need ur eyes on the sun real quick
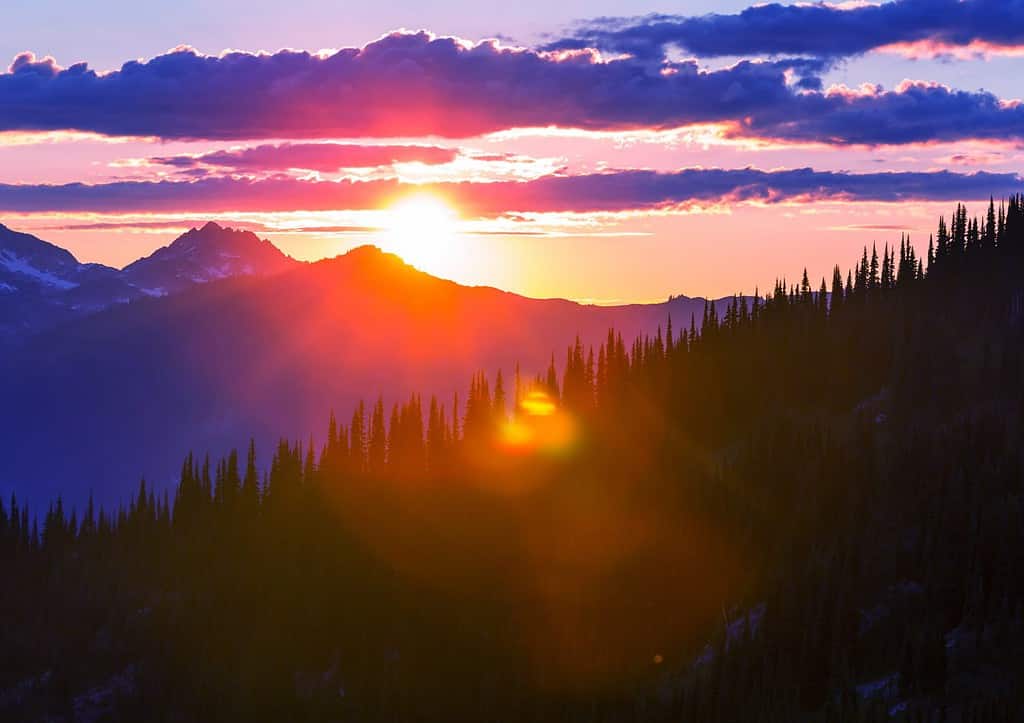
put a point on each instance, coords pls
(423, 230)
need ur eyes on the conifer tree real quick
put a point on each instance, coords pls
(377, 445)
(837, 289)
(861, 278)
(942, 242)
(435, 436)
(873, 281)
(358, 438)
(552, 379)
(989, 236)
(250, 492)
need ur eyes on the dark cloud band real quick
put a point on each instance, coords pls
(326, 157)
(821, 30)
(607, 192)
(403, 85)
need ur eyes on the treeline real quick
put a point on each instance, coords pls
(806, 506)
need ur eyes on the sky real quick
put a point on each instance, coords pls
(604, 151)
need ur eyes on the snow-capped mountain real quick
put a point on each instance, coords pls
(42, 285)
(27, 262)
(206, 254)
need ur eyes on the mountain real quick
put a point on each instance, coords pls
(29, 261)
(206, 254)
(43, 285)
(127, 391)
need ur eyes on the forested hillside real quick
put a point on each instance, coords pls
(804, 508)
(118, 394)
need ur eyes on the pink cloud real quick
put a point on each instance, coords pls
(327, 157)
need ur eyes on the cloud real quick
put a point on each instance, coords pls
(415, 85)
(326, 157)
(176, 225)
(914, 112)
(136, 224)
(619, 191)
(875, 227)
(130, 224)
(980, 158)
(817, 29)
(402, 85)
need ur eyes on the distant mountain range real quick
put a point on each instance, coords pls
(219, 336)
(42, 285)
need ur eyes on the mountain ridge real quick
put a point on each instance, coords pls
(206, 369)
(205, 254)
(43, 285)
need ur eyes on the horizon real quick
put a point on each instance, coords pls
(761, 290)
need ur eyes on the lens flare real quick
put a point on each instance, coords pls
(540, 426)
(516, 435)
(538, 404)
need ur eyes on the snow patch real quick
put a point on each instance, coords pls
(224, 271)
(19, 265)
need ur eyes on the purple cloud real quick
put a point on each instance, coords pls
(179, 225)
(403, 85)
(415, 85)
(616, 191)
(821, 30)
(327, 157)
(912, 113)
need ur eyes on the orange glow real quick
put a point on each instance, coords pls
(541, 427)
(517, 436)
(538, 404)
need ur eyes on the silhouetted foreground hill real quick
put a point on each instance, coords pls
(116, 395)
(809, 510)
